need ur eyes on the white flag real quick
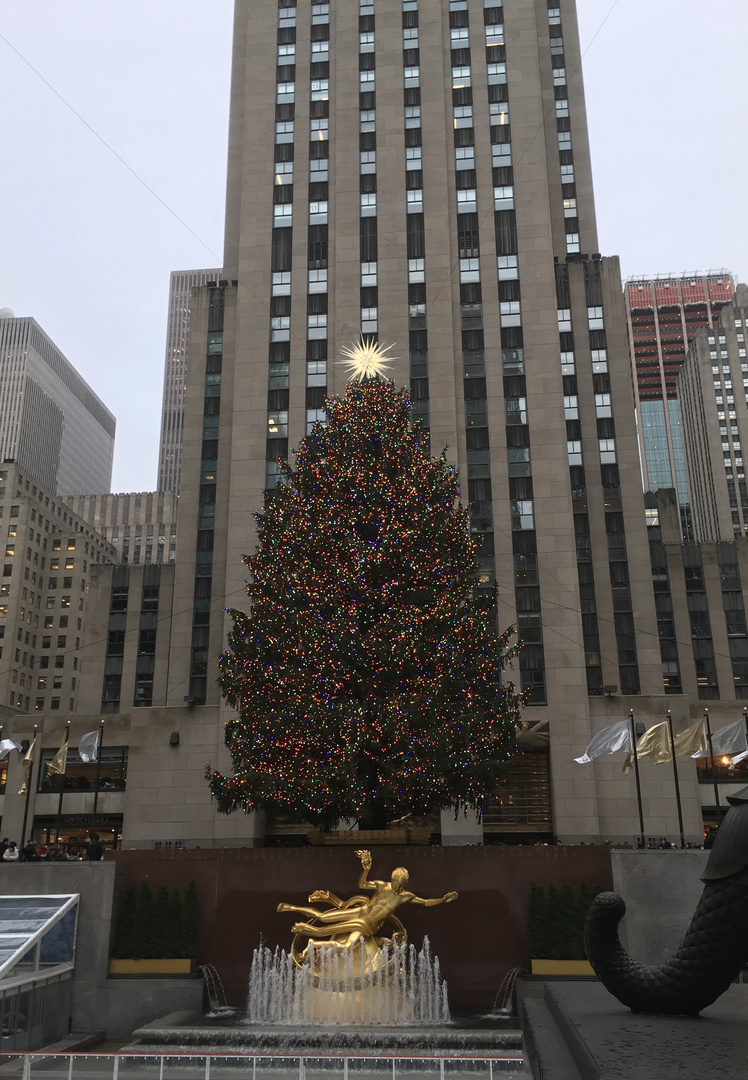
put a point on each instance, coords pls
(88, 747)
(736, 760)
(608, 741)
(728, 740)
(6, 745)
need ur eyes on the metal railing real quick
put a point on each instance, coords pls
(290, 1066)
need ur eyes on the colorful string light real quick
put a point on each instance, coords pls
(367, 675)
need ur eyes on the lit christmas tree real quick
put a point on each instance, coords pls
(367, 675)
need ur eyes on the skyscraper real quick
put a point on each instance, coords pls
(663, 314)
(51, 422)
(420, 173)
(713, 390)
(175, 373)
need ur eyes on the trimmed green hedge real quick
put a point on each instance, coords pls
(555, 921)
(165, 928)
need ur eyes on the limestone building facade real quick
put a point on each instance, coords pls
(181, 284)
(49, 556)
(386, 177)
(140, 525)
(713, 391)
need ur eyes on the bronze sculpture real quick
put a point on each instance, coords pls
(714, 949)
(359, 920)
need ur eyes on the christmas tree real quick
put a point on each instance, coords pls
(367, 675)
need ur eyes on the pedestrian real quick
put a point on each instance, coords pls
(11, 852)
(711, 836)
(94, 849)
(29, 852)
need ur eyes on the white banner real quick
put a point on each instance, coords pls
(6, 745)
(88, 747)
(608, 741)
(728, 740)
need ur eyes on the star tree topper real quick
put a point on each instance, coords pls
(367, 360)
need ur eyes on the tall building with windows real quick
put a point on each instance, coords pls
(421, 173)
(49, 555)
(663, 314)
(181, 283)
(713, 391)
(51, 422)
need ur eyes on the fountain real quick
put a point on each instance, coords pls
(400, 986)
(350, 985)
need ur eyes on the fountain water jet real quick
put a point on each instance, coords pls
(393, 986)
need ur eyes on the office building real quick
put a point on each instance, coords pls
(386, 177)
(713, 392)
(49, 554)
(52, 424)
(700, 591)
(175, 373)
(141, 526)
(663, 314)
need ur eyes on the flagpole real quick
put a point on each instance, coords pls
(675, 777)
(98, 774)
(711, 758)
(28, 793)
(62, 791)
(638, 782)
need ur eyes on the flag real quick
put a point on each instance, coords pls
(28, 761)
(736, 760)
(6, 745)
(654, 743)
(727, 740)
(58, 764)
(88, 747)
(693, 738)
(608, 741)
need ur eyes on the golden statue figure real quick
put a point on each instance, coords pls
(359, 919)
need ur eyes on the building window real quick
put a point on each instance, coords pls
(369, 204)
(607, 451)
(416, 271)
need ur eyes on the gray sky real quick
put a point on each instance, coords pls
(87, 250)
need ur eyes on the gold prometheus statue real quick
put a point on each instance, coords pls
(358, 920)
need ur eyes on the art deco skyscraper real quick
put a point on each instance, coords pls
(420, 171)
(175, 373)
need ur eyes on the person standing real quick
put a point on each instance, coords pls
(94, 849)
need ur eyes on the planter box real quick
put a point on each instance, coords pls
(151, 967)
(562, 967)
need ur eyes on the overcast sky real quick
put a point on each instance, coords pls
(86, 249)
